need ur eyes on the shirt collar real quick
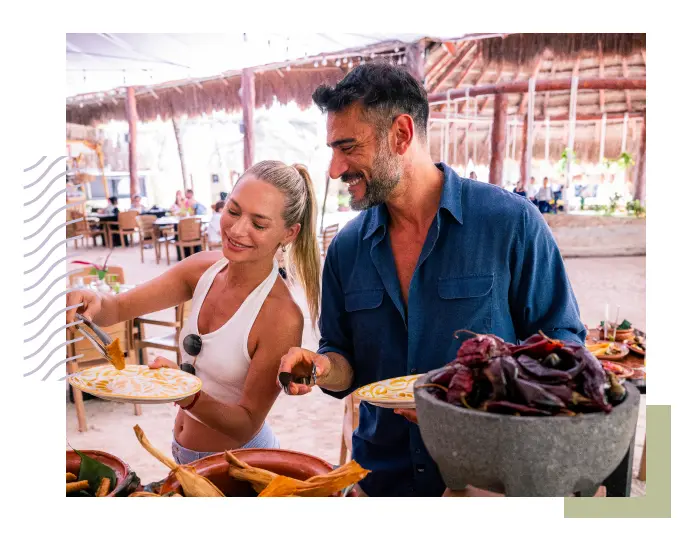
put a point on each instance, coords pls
(450, 200)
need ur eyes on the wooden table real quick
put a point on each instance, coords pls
(173, 221)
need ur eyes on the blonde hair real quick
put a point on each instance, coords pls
(299, 207)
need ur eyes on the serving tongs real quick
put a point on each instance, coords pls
(286, 378)
(96, 336)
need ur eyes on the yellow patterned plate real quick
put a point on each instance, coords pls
(395, 393)
(136, 384)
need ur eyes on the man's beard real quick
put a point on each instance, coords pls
(386, 174)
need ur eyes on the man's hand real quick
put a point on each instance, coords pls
(299, 362)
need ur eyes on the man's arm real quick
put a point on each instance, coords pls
(541, 296)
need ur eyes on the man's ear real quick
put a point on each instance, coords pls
(404, 133)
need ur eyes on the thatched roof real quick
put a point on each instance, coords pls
(519, 57)
(467, 62)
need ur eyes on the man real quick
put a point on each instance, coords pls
(112, 209)
(136, 204)
(430, 254)
(472, 175)
(544, 197)
(198, 208)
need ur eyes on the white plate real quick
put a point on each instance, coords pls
(394, 393)
(136, 384)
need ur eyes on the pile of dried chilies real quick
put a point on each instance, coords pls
(540, 377)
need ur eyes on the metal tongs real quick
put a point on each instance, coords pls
(287, 378)
(100, 339)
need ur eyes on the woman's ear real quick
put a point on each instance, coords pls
(291, 234)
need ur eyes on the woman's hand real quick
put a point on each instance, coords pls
(162, 363)
(92, 304)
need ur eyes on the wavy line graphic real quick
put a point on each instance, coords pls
(51, 285)
(62, 362)
(47, 273)
(42, 159)
(51, 336)
(51, 319)
(46, 172)
(73, 255)
(48, 355)
(66, 224)
(65, 207)
(62, 174)
(35, 216)
(49, 305)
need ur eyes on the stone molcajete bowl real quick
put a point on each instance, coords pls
(524, 455)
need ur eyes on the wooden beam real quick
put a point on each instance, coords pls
(601, 74)
(523, 157)
(180, 151)
(577, 66)
(558, 85)
(523, 97)
(439, 64)
(452, 66)
(626, 74)
(579, 117)
(644, 57)
(415, 60)
(132, 118)
(498, 139)
(545, 104)
(468, 68)
(248, 101)
(640, 184)
(486, 100)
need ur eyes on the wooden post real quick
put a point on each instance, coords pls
(248, 100)
(640, 184)
(498, 144)
(415, 60)
(180, 150)
(132, 118)
(523, 157)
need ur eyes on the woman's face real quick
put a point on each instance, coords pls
(252, 227)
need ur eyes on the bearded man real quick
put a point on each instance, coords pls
(430, 253)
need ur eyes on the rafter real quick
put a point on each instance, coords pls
(498, 77)
(444, 60)
(626, 74)
(577, 66)
(545, 104)
(601, 74)
(535, 74)
(451, 67)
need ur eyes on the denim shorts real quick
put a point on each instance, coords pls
(264, 439)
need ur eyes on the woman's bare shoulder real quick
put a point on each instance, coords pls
(281, 309)
(194, 266)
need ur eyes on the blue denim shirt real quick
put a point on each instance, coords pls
(489, 264)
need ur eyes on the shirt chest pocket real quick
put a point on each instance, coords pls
(468, 301)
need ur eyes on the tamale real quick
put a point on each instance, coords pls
(70, 477)
(193, 484)
(103, 489)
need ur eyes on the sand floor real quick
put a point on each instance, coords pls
(312, 424)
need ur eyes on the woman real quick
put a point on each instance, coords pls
(242, 312)
(214, 228)
(179, 204)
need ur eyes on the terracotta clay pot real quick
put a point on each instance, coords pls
(620, 335)
(126, 479)
(280, 461)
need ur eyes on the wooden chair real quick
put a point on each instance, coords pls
(91, 358)
(351, 419)
(326, 237)
(84, 229)
(125, 225)
(147, 234)
(189, 235)
(168, 342)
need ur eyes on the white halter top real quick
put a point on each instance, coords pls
(223, 362)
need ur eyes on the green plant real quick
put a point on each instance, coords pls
(567, 156)
(625, 160)
(635, 207)
(612, 207)
(100, 271)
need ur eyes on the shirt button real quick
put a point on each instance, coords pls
(413, 371)
(417, 451)
(420, 469)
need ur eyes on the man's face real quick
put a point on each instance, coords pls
(362, 158)
(189, 195)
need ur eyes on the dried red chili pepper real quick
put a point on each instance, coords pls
(461, 384)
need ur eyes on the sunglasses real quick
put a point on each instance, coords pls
(192, 345)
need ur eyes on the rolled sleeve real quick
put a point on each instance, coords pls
(542, 297)
(336, 334)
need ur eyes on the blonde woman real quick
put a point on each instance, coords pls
(243, 318)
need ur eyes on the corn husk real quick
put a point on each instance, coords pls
(269, 484)
(193, 484)
(116, 355)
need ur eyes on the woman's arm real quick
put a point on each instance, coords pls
(173, 287)
(283, 327)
